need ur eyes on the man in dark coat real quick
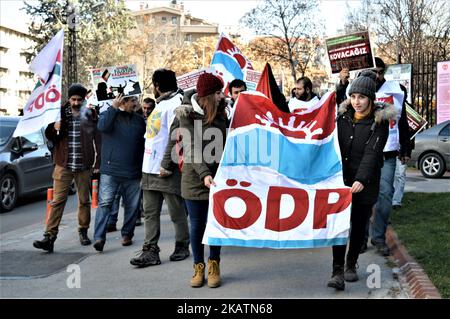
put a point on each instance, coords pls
(76, 149)
(122, 148)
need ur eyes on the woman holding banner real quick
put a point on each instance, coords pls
(201, 111)
(363, 128)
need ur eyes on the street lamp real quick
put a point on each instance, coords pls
(72, 22)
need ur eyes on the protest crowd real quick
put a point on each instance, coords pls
(176, 149)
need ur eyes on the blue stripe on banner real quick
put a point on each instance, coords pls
(230, 64)
(305, 163)
(283, 244)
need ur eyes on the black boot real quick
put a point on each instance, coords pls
(181, 252)
(350, 274)
(84, 239)
(337, 278)
(149, 257)
(46, 243)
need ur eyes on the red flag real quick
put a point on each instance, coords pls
(267, 85)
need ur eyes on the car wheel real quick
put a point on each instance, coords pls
(8, 192)
(73, 189)
(432, 166)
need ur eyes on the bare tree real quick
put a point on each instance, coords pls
(293, 25)
(359, 19)
(150, 47)
(405, 27)
(99, 33)
(414, 25)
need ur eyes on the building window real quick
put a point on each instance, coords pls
(188, 38)
(3, 71)
(26, 55)
(24, 94)
(164, 20)
(174, 20)
(3, 49)
(26, 74)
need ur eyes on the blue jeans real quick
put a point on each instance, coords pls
(109, 185)
(399, 183)
(114, 215)
(383, 206)
(198, 214)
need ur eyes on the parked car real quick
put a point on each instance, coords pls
(431, 153)
(26, 163)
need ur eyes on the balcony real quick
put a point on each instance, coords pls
(205, 29)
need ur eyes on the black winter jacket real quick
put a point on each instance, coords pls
(361, 145)
(403, 127)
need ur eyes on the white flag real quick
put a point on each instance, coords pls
(44, 105)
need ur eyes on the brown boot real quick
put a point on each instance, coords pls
(213, 273)
(199, 275)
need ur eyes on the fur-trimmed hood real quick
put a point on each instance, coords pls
(382, 112)
(187, 107)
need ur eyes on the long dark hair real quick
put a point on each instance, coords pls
(208, 104)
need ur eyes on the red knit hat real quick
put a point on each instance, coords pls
(208, 84)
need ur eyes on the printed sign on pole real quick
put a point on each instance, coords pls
(188, 81)
(109, 82)
(402, 74)
(352, 51)
(415, 121)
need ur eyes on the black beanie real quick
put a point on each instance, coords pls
(77, 89)
(365, 84)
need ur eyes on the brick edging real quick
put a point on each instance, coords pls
(419, 284)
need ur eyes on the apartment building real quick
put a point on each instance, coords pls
(176, 23)
(16, 79)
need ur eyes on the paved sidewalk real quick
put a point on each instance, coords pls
(246, 272)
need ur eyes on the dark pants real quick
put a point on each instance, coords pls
(359, 215)
(153, 201)
(198, 214)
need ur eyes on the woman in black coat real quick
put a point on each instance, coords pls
(363, 128)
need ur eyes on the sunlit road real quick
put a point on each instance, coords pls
(30, 210)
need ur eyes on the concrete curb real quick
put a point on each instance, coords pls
(417, 281)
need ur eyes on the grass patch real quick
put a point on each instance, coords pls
(423, 226)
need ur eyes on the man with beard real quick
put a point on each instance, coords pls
(155, 188)
(73, 137)
(304, 96)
